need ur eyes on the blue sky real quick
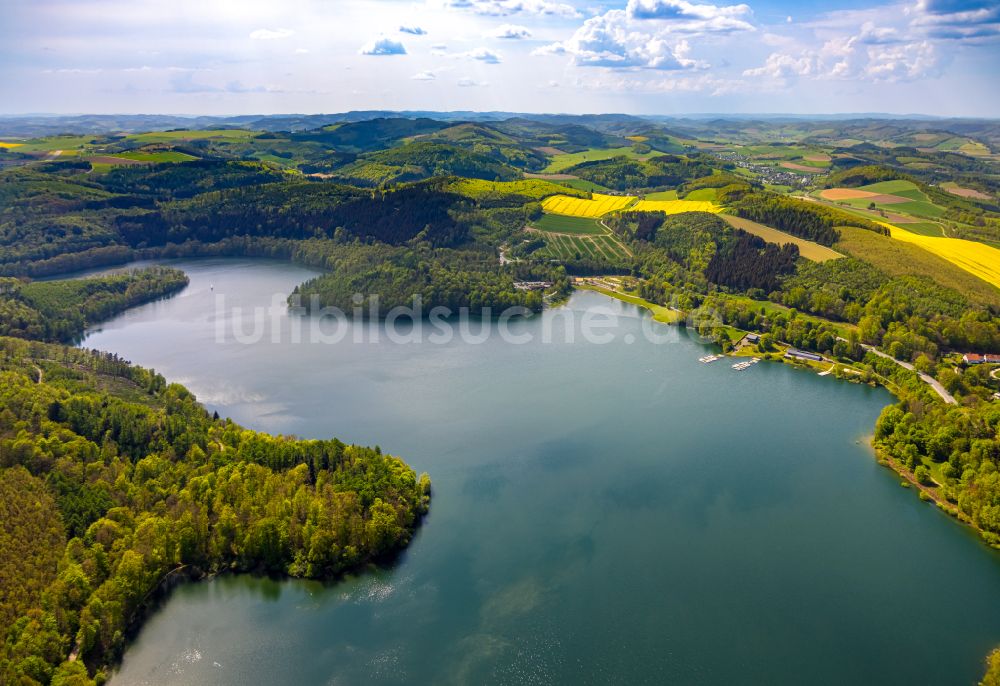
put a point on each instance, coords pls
(641, 56)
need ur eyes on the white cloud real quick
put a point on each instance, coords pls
(383, 46)
(876, 54)
(470, 83)
(301, 51)
(482, 55)
(439, 49)
(413, 30)
(271, 34)
(686, 17)
(512, 32)
(503, 8)
(424, 76)
(616, 40)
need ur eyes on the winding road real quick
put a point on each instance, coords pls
(928, 379)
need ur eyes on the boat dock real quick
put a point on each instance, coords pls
(709, 358)
(740, 366)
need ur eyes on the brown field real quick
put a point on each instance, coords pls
(801, 168)
(856, 194)
(820, 157)
(549, 150)
(964, 192)
(808, 249)
(845, 194)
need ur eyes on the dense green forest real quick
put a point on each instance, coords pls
(708, 249)
(60, 311)
(114, 479)
(625, 173)
(421, 160)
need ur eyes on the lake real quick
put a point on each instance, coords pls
(613, 513)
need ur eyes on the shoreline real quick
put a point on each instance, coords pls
(928, 494)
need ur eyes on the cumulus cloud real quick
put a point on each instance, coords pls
(271, 34)
(512, 32)
(381, 47)
(470, 83)
(617, 39)
(482, 55)
(503, 8)
(413, 30)
(424, 76)
(873, 54)
(691, 18)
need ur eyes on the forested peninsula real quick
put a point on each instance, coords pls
(115, 480)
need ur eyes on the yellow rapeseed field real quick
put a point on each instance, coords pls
(4, 144)
(580, 207)
(676, 206)
(978, 259)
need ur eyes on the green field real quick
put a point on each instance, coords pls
(582, 185)
(50, 143)
(560, 223)
(923, 228)
(662, 195)
(188, 135)
(902, 188)
(560, 162)
(160, 156)
(710, 194)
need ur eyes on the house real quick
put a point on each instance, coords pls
(752, 338)
(792, 353)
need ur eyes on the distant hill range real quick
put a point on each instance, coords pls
(36, 125)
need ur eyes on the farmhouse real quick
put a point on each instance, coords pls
(752, 338)
(975, 358)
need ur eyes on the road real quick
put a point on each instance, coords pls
(928, 379)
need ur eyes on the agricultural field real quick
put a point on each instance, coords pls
(706, 194)
(582, 185)
(598, 206)
(807, 249)
(191, 135)
(676, 206)
(602, 247)
(536, 189)
(661, 195)
(567, 160)
(955, 189)
(978, 259)
(898, 197)
(158, 156)
(561, 223)
(50, 143)
(7, 145)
